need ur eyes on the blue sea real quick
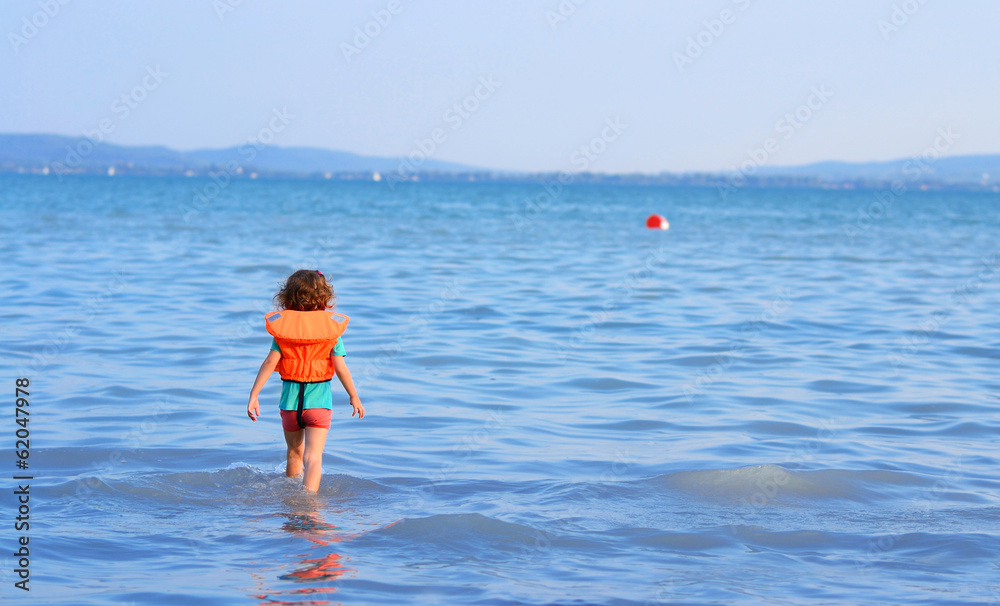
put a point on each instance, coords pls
(789, 397)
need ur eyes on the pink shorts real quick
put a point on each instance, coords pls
(312, 417)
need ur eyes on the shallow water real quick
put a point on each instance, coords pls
(789, 397)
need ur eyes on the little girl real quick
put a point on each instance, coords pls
(307, 352)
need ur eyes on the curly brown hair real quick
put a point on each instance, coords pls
(305, 290)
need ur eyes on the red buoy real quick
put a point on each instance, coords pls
(657, 222)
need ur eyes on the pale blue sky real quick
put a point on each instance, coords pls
(558, 84)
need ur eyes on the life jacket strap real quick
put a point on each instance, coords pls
(302, 400)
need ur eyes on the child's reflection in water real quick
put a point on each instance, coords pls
(304, 520)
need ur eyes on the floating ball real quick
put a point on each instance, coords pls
(657, 222)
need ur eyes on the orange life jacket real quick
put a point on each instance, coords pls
(306, 339)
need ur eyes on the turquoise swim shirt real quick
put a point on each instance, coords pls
(318, 395)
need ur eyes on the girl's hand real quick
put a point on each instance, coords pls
(358, 408)
(253, 409)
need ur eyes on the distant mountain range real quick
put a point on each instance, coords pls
(49, 154)
(953, 169)
(79, 154)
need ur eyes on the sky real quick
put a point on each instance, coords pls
(640, 86)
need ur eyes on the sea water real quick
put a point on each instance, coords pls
(788, 397)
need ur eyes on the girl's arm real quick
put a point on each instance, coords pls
(345, 379)
(266, 368)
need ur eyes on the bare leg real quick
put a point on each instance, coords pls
(314, 443)
(296, 446)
